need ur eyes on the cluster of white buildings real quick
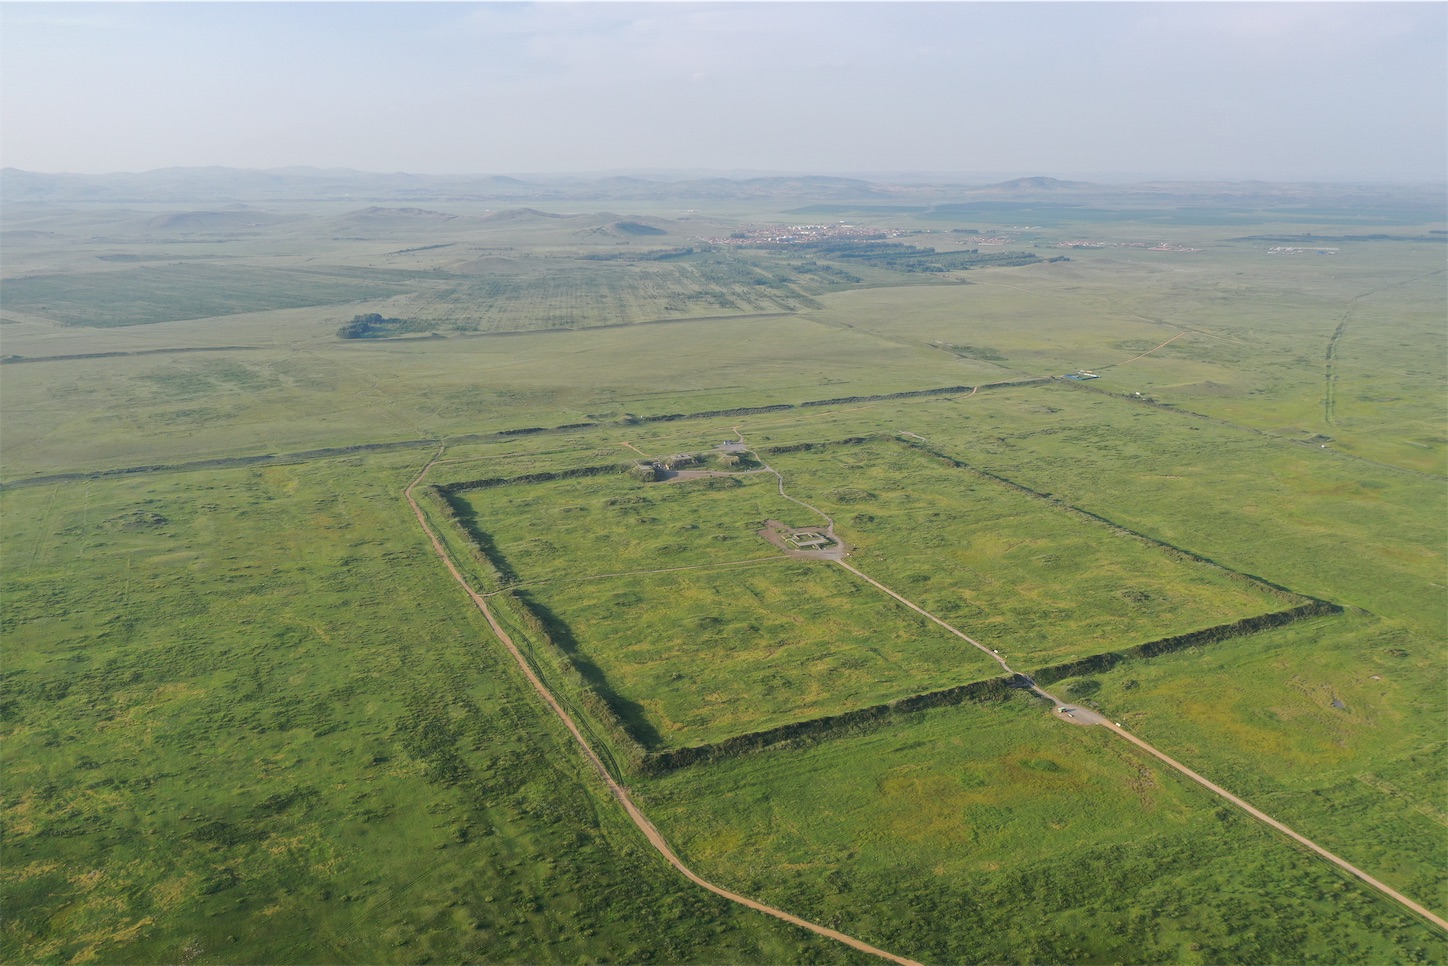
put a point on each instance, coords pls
(797, 234)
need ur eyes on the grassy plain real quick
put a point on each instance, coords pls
(705, 655)
(1345, 748)
(1317, 521)
(1040, 584)
(247, 717)
(133, 410)
(749, 641)
(1347, 530)
(994, 834)
(579, 529)
(1258, 331)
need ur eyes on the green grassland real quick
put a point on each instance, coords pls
(1321, 523)
(248, 717)
(134, 410)
(992, 834)
(704, 655)
(1039, 584)
(247, 720)
(692, 656)
(1346, 530)
(1258, 331)
(570, 530)
(696, 655)
(1346, 748)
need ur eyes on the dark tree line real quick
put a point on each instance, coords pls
(364, 326)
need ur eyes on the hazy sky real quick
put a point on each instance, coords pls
(1296, 91)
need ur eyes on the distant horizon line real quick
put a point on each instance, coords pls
(922, 177)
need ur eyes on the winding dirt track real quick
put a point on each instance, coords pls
(620, 793)
(1079, 717)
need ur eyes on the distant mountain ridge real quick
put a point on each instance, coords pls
(220, 185)
(1038, 184)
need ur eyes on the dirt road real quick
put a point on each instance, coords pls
(1111, 365)
(766, 468)
(619, 793)
(1072, 714)
(993, 654)
(1269, 820)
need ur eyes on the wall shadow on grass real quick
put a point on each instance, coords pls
(629, 715)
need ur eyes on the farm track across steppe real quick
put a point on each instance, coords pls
(1085, 717)
(15, 360)
(1080, 717)
(620, 794)
(1329, 389)
(1112, 365)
